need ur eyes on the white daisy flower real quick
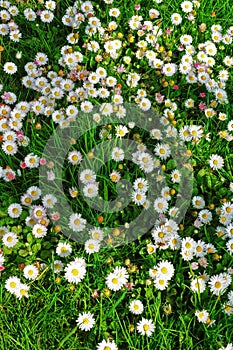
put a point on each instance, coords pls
(39, 231)
(176, 176)
(176, 18)
(75, 271)
(121, 131)
(162, 150)
(63, 249)
(136, 307)
(216, 162)
(217, 284)
(90, 190)
(92, 246)
(49, 201)
(34, 192)
(32, 160)
(46, 16)
(22, 291)
(10, 239)
(76, 223)
(87, 176)
(85, 321)
(140, 184)
(116, 279)
(30, 272)
(9, 148)
(145, 327)
(14, 210)
(10, 68)
(169, 69)
(198, 285)
(12, 284)
(205, 216)
(198, 202)
(186, 6)
(138, 197)
(57, 266)
(202, 316)
(165, 270)
(107, 344)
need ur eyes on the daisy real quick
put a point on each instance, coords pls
(39, 231)
(162, 150)
(46, 16)
(49, 201)
(10, 68)
(111, 81)
(186, 39)
(114, 12)
(138, 197)
(140, 184)
(136, 307)
(22, 291)
(198, 285)
(85, 321)
(87, 176)
(9, 147)
(176, 18)
(198, 202)
(176, 176)
(57, 266)
(29, 14)
(15, 35)
(121, 131)
(216, 162)
(188, 244)
(169, 69)
(63, 249)
(202, 316)
(32, 161)
(92, 246)
(161, 283)
(76, 223)
(86, 107)
(145, 327)
(34, 192)
(165, 270)
(217, 284)
(38, 212)
(90, 190)
(107, 345)
(115, 176)
(117, 154)
(14, 210)
(116, 279)
(186, 6)
(160, 205)
(145, 104)
(200, 249)
(30, 272)
(75, 271)
(12, 284)
(10, 239)
(101, 72)
(50, 5)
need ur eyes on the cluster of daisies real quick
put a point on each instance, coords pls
(9, 12)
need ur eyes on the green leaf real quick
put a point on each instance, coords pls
(23, 252)
(36, 247)
(30, 238)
